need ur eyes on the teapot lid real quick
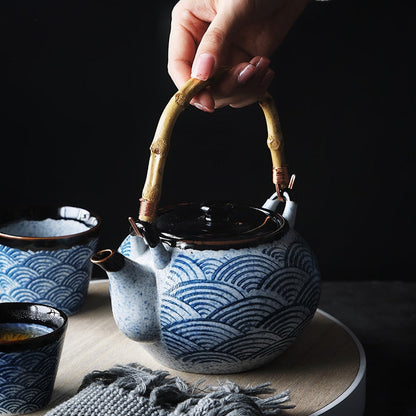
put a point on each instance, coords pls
(218, 225)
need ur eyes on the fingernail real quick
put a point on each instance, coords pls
(203, 67)
(263, 61)
(246, 74)
(202, 107)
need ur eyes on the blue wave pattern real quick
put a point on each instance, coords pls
(125, 247)
(237, 313)
(58, 278)
(27, 378)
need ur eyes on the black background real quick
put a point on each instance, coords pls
(86, 82)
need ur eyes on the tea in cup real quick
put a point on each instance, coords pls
(31, 340)
(44, 255)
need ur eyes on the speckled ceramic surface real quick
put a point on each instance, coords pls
(224, 312)
(46, 260)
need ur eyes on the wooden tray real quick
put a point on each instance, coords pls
(324, 369)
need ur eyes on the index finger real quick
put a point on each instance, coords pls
(185, 36)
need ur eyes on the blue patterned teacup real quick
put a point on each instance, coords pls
(44, 255)
(31, 339)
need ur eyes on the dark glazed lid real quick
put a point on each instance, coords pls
(218, 225)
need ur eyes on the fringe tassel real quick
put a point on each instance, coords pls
(184, 400)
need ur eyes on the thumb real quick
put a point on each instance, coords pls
(210, 48)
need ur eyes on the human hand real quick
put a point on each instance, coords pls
(237, 34)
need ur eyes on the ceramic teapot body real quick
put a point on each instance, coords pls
(214, 310)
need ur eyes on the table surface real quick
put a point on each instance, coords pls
(324, 369)
(381, 314)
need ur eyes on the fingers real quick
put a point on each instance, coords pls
(243, 85)
(204, 101)
(187, 30)
(186, 33)
(204, 66)
(210, 50)
(197, 45)
(255, 69)
(248, 86)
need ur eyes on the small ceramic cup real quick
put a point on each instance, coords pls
(45, 255)
(31, 340)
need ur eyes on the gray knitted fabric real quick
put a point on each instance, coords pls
(135, 390)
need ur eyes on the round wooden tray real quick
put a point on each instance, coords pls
(324, 369)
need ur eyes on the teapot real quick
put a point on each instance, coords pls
(213, 287)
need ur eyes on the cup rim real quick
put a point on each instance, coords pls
(42, 212)
(24, 313)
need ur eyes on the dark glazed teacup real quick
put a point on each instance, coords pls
(31, 340)
(44, 255)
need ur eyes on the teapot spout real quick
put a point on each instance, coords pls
(133, 294)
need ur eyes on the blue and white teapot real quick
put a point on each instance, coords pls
(213, 287)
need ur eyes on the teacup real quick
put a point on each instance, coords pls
(44, 255)
(31, 340)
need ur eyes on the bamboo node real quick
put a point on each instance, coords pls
(181, 99)
(159, 146)
(155, 150)
(273, 143)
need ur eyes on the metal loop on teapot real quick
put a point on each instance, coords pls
(160, 145)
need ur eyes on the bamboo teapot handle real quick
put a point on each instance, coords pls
(160, 145)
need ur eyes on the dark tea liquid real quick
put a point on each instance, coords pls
(10, 332)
